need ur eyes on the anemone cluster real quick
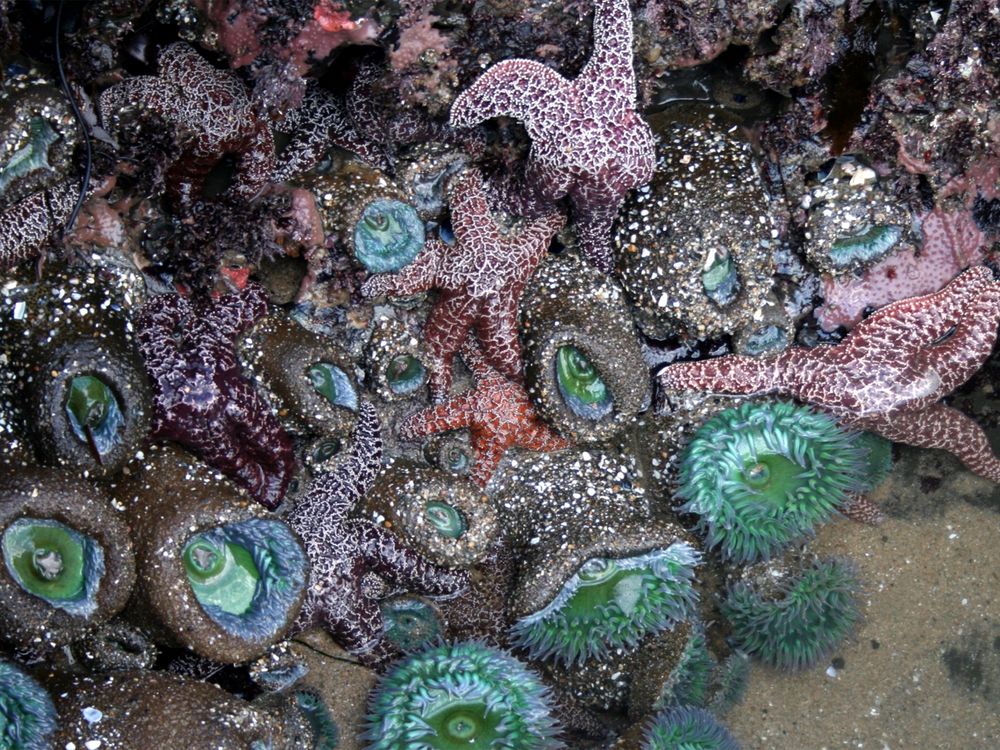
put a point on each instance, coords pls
(464, 338)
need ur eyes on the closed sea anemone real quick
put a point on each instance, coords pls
(793, 612)
(612, 603)
(761, 476)
(27, 715)
(687, 728)
(464, 695)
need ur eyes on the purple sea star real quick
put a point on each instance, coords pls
(26, 226)
(588, 142)
(211, 114)
(480, 278)
(342, 551)
(888, 374)
(497, 412)
(201, 399)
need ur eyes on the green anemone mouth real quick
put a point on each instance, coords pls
(388, 236)
(409, 623)
(326, 449)
(246, 575)
(456, 459)
(464, 696)
(761, 476)
(612, 603)
(405, 374)
(333, 384)
(27, 715)
(866, 245)
(720, 280)
(580, 385)
(447, 519)
(94, 414)
(34, 155)
(55, 563)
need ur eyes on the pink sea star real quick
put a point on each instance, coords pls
(497, 412)
(480, 279)
(201, 399)
(888, 374)
(212, 115)
(588, 142)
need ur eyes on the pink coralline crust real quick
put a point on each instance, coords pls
(314, 42)
(330, 26)
(415, 40)
(951, 242)
(236, 28)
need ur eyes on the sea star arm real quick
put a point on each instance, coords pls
(233, 314)
(609, 68)
(142, 92)
(940, 426)
(156, 324)
(734, 373)
(470, 212)
(26, 226)
(418, 276)
(386, 556)
(333, 494)
(522, 89)
(454, 414)
(446, 328)
(256, 161)
(593, 228)
(859, 508)
(489, 451)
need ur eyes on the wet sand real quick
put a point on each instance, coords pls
(923, 668)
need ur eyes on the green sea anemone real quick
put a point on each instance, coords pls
(333, 384)
(94, 413)
(464, 696)
(687, 728)
(729, 683)
(688, 683)
(27, 715)
(580, 385)
(761, 476)
(410, 622)
(245, 575)
(868, 244)
(793, 614)
(878, 458)
(388, 235)
(324, 730)
(612, 603)
(405, 374)
(55, 563)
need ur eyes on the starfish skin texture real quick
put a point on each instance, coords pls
(27, 225)
(887, 375)
(588, 142)
(343, 552)
(497, 412)
(201, 399)
(212, 115)
(480, 280)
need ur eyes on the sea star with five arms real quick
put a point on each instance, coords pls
(588, 142)
(888, 373)
(201, 399)
(342, 551)
(212, 115)
(497, 412)
(480, 279)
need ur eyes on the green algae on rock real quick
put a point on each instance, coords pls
(218, 573)
(694, 247)
(67, 559)
(583, 366)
